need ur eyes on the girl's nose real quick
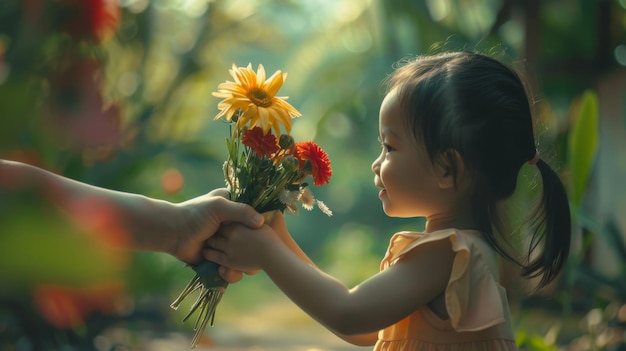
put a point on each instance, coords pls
(376, 165)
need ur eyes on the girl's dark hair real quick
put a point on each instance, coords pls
(476, 106)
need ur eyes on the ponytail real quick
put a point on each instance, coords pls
(552, 225)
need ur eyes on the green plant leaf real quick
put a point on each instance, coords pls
(582, 146)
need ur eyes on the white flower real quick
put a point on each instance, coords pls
(322, 206)
(290, 199)
(307, 199)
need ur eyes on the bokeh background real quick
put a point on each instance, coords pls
(117, 93)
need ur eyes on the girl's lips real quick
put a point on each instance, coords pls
(381, 192)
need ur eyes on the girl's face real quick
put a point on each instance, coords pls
(403, 171)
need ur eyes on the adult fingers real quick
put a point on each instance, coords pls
(221, 192)
(229, 211)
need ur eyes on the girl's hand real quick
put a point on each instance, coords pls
(280, 228)
(277, 223)
(239, 247)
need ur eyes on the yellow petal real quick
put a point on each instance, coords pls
(234, 72)
(263, 121)
(260, 76)
(287, 107)
(275, 122)
(284, 118)
(240, 76)
(229, 113)
(249, 77)
(274, 83)
(219, 115)
(221, 94)
(249, 114)
(228, 85)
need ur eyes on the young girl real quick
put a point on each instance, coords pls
(455, 130)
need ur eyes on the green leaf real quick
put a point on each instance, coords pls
(582, 146)
(38, 246)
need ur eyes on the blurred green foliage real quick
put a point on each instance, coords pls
(157, 70)
(582, 146)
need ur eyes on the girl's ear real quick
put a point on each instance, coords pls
(450, 169)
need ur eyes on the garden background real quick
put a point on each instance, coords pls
(118, 94)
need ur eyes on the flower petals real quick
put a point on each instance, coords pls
(318, 160)
(255, 97)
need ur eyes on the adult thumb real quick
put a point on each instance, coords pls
(230, 211)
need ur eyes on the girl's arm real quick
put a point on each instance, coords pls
(280, 228)
(149, 224)
(384, 299)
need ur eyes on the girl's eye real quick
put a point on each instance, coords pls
(385, 146)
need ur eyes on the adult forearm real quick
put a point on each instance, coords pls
(143, 223)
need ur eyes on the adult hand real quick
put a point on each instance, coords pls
(202, 217)
(242, 248)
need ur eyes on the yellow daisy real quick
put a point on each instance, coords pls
(253, 99)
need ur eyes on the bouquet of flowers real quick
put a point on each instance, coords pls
(266, 168)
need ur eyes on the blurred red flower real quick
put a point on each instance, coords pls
(78, 116)
(315, 161)
(262, 144)
(90, 19)
(69, 307)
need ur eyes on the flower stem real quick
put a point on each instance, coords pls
(212, 287)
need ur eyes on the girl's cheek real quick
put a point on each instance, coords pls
(383, 174)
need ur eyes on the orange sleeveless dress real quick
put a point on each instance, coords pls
(476, 303)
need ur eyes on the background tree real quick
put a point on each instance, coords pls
(117, 94)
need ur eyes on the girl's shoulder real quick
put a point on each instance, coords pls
(460, 239)
(474, 297)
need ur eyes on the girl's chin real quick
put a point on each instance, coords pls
(387, 209)
(390, 211)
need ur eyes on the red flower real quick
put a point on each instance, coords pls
(311, 155)
(263, 144)
(90, 19)
(69, 307)
(79, 116)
